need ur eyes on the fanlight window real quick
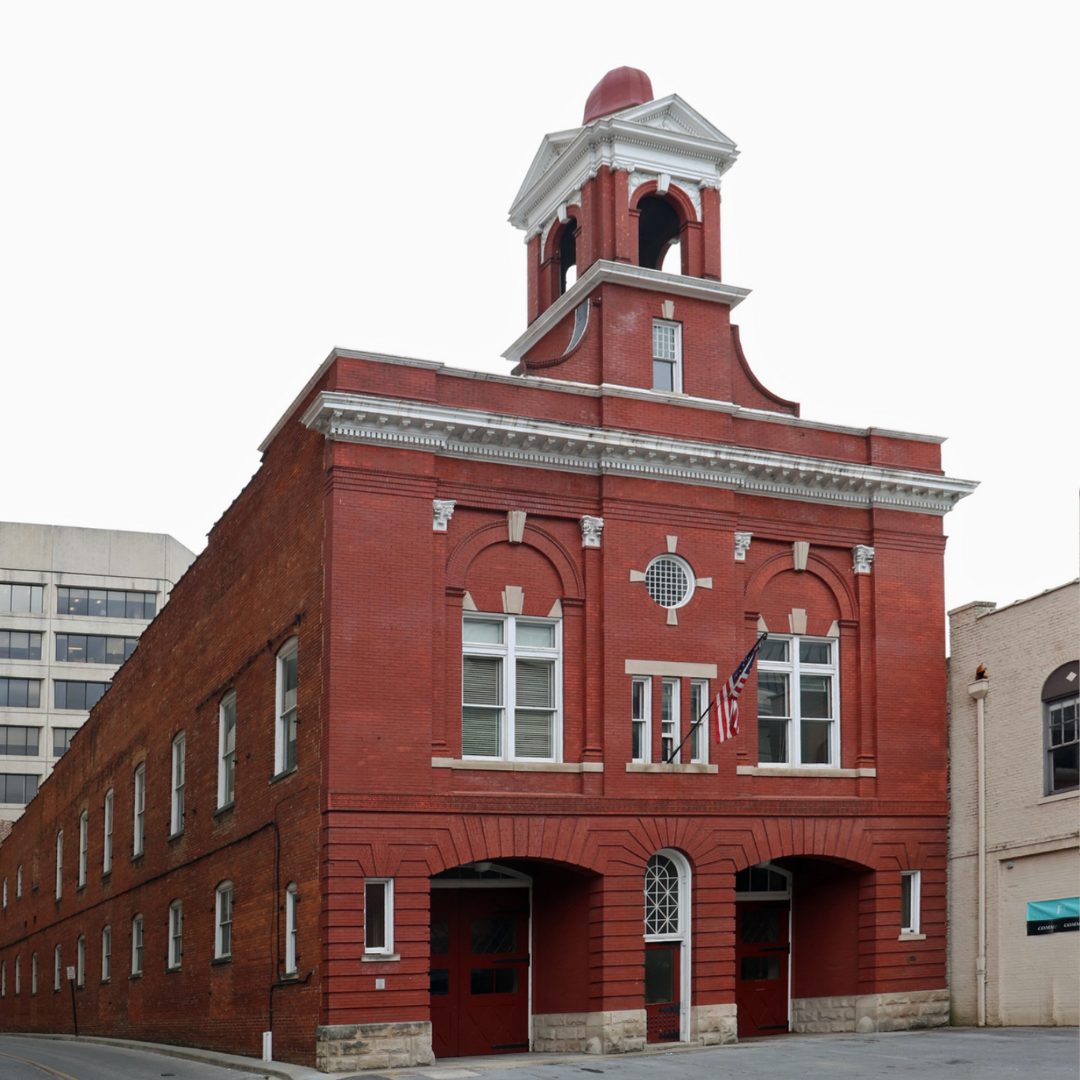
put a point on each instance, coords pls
(661, 897)
(762, 879)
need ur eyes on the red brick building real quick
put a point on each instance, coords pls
(405, 764)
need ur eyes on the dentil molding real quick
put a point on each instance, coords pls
(477, 435)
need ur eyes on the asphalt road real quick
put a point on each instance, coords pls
(944, 1054)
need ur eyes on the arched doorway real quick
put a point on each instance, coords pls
(480, 950)
(667, 947)
(763, 950)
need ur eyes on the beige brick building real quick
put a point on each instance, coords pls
(1029, 836)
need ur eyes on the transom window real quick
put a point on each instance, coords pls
(798, 701)
(670, 581)
(667, 356)
(511, 685)
(661, 898)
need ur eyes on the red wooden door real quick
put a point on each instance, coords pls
(762, 951)
(479, 971)
(662, 1015)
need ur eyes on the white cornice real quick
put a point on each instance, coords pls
(665, 136)
(636, 277)
(477, 435)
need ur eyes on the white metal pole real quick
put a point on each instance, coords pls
(978, 690)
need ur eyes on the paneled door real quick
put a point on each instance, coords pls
(662, 982)
(762, 951)
(479, 971)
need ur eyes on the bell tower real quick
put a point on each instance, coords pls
(623, 213)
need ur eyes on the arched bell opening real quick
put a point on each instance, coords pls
(568, 271)
(659, 229)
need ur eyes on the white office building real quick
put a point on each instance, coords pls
(73, 603)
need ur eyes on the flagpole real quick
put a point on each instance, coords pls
(708, 708)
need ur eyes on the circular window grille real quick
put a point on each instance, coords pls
(669, 581)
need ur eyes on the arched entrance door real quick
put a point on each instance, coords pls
(762, 949)
(667, 947)
(480, 946)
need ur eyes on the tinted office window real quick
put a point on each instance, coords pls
(93, 648)
(19, 645)
(102, 603)
(19, 740)
(61, 740)
(17, 789)
(78, 695)
(20, 693)
(21, 598)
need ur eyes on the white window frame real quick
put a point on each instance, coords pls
(509, 652)
(59, 864)
(795, 670)
(291, 898)
(226, 757)
(176, 934)
(387, 948)
(84, 843)
(80, 961)
(107, 841)
(683, 934)
(179, 768)
(675, 361)
(223, 918)
(1049, 708)
(57, 968)
(285, 717)
(136, 945)
(671, 729)
(641, 702)
(698, 742)
(33, 974)
(912, 880)
(18, 883)
(138, 840)
(106, 953)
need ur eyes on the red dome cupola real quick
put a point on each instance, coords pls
(617, 90)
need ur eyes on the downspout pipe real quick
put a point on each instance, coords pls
(978, 690)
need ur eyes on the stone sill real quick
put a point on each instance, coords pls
(378, 958)
(1075, 793)
(801, 770)
(672, 767)
(911, 937)
(518, 766)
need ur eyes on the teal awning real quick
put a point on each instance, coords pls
(1053, 909)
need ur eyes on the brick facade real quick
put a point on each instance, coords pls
(334, 543)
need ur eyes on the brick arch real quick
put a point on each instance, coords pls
(554, 237)
(461, 558)
(784, 560)
(837, 839)
(675, 195)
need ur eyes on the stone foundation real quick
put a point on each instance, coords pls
(590, 1033)
(903, 1011)
(712, 1025)
(822, 1014)
(351, 1047)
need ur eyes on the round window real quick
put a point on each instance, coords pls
(670, 581)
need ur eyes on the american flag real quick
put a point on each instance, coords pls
(727, 701)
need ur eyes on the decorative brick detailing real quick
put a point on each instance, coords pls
(823, 1014)
(742, 545)
(713, 1025)
(902, 1011)
(349, 1047)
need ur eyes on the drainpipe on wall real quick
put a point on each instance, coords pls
(978, 690)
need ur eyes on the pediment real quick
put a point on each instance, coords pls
(673, 114)
(551, 147)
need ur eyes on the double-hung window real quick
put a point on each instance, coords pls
(285, 745)
(33, 974)
(290, 929)
(227, 750)
(176, 821)
(176, 933)
(80, 962)
(910, 898)
(84, 841)
(669, 719)
(640, 719)
(139, 838)
(106, 854)
(106, 953)
(667, 355)
(223, 934)
(799, 701)
(699, 731)
(56, 970)
(1062, 722)
(511, 688)
(59, 864)
(379, 916)
(136, 945)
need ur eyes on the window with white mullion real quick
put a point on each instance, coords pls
(669, 719)
(84, 841)
(510, 688)
(667, 356)
(227, 750)
(699, 732)
(107, 848)
(640, 717)
(799, 701)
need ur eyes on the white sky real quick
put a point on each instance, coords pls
(199, 200)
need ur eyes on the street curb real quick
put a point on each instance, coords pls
(281, 1070)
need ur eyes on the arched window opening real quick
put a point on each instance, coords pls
(568, 256)
(1061, 725)
(658, 230)
(661, 898)
(667, 947)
